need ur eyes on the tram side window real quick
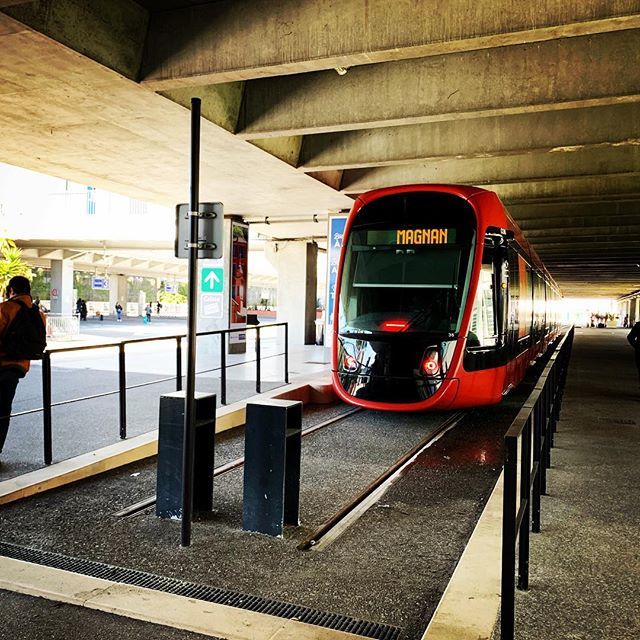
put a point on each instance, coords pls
(525, 308)
(514, 294)
(486, 321)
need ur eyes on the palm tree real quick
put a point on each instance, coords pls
(11, 262)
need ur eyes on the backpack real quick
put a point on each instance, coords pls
(26, 336)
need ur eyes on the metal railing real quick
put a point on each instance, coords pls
(48, 405)
(533, 429)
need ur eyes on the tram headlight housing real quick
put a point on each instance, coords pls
(349, 363)
(431, 364)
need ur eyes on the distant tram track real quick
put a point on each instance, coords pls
(140, 506)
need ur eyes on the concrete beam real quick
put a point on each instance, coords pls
(595, 224)
(570, 190)
(243, 39)
(559, 74)
(570, 233)
(112, 33)
(623, 160)
(65, 115)
(556, 131)
(534, 214)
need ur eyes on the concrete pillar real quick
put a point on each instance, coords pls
(297, 280)
(117, 292)
(62, 301)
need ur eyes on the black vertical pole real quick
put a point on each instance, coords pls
(46, 404)
(179, 364)
(509, 514)
(258, 356)
(189, 404)
(122, 395)
(525, 504)
(286, 353)
(223, 368)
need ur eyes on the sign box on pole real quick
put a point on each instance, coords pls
(210, 230)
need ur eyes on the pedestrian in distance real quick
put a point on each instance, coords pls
(83, 310)
(148, 311)
(118, 312)
(22, 339)
(158, 307)
(634, 341)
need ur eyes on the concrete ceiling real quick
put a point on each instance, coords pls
(537, 101)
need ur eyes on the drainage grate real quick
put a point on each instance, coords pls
(618, 421)
(201, 592)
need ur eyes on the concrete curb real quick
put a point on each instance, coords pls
(157, 607)
(469, 606)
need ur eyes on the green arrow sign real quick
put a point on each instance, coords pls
(212, 280)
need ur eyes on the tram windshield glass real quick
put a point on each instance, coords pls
(406, 265)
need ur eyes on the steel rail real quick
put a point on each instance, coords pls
(234, 464)
(388, 476)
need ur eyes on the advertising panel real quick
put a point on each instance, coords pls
(335, 235)
(238, 289)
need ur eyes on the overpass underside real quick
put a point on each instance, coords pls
(310, 102)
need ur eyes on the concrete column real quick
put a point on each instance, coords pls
(142, 302)
(62, 301)
(117, 292)
(297, 279)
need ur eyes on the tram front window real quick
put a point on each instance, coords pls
(402, 280)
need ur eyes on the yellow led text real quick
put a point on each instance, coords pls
(421, 236)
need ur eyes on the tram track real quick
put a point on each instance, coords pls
(351, 511)
(141, 505)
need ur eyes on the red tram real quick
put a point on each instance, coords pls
(440, 301)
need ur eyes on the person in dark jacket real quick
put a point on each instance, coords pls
(11, 371)
(634, 341)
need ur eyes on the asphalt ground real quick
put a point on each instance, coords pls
(390, 567)
(24, 617)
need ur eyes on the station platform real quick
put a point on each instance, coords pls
(585, 563)
(407, 561)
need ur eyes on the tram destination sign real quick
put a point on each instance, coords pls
(420, 236)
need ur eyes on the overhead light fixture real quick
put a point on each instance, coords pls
(342, 71)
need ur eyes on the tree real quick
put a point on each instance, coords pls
(11, 262)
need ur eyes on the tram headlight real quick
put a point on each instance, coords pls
(430, 365)
(349, 363)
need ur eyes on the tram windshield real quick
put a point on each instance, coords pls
(406, 276)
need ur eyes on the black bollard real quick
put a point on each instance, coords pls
(272, 448)
(170, 444)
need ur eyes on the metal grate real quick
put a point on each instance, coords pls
(201, 592)
(618, 421)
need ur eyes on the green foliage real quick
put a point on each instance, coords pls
(173, 298)
(135, 284)
(41, 283)
(11, 262)
(82, 283)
